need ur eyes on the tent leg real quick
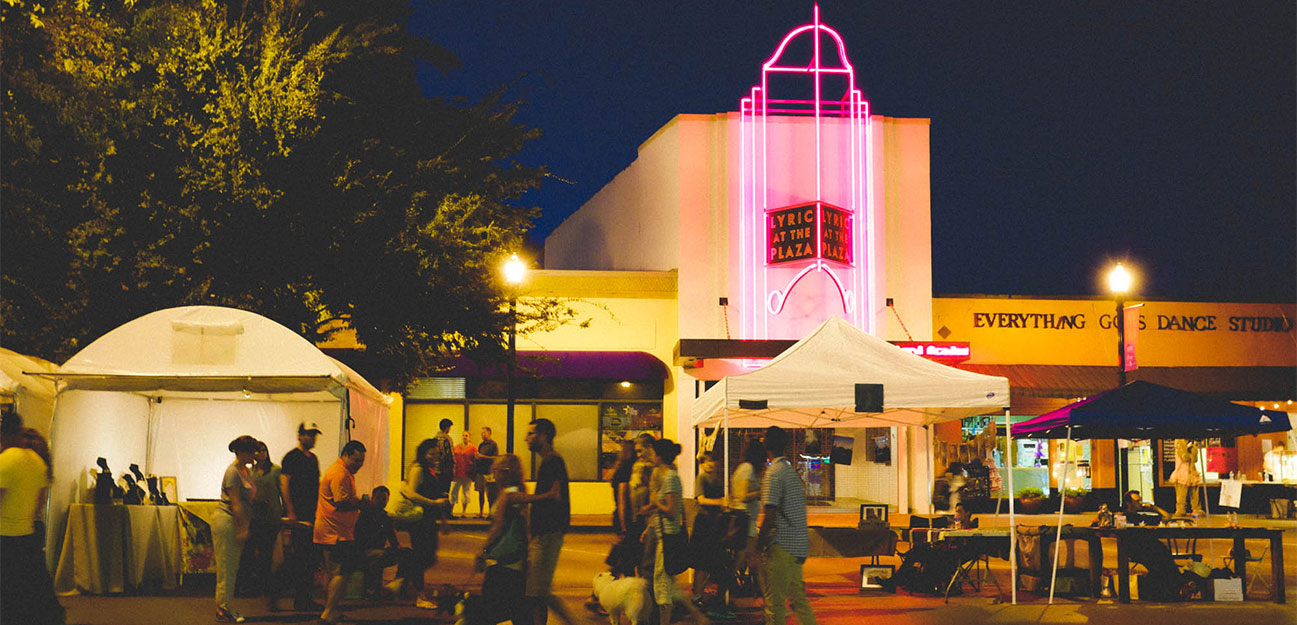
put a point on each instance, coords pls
(1062, 494)
(1013, 525)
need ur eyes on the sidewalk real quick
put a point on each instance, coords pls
(832, 585)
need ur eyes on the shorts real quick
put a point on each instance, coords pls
(542, 559)
(479, 483)
(342, 558)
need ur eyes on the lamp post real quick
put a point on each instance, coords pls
(1119, 284)
(514, 272)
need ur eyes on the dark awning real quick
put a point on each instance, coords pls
(1069, 382)
(1146, 410)
(566, 365)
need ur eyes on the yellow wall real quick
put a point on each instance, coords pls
(1011, 330)
(617, 311)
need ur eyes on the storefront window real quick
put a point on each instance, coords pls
(624, 421)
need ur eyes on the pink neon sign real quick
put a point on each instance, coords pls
(804, 193)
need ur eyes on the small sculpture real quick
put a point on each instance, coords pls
(133, 495)
(105, 488)
(159, 498)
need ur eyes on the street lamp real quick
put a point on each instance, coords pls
(1119, 284)
(514, 272)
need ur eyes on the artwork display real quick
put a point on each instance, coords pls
(872, 575)
(873, 514)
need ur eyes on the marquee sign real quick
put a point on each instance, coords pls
(814, 230)
(804, 250)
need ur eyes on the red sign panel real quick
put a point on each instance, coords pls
(806, 231)
(940, 351)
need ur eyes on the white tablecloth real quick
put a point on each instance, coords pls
(110, 548)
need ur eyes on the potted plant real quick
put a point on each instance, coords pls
(1031, 500)
(1074, 499)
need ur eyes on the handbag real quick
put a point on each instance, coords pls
(675, 549)
(511, 546)
(402, 510)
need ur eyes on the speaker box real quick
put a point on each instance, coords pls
(869, 398)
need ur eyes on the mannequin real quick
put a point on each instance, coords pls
(1186, 478)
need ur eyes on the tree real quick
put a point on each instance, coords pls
(274, 156)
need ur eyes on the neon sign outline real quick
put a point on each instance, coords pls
(754, 168)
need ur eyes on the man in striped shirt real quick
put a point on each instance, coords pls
(783, 536)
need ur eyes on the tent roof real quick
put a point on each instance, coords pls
(1145, 410)
(812, 384)
(209, 350)
(14, 374)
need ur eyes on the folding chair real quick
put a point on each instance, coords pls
(1248, 558)
(1183, 548)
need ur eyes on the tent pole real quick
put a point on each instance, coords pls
(1062, 495)
(726, 433)
(932, 465)
(1013, 525)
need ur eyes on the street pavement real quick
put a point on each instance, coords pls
(832, 585)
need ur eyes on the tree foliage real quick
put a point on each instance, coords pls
(271, 155)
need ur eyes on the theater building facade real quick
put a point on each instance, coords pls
(734, 234)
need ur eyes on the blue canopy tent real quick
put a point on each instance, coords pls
(1146, 410)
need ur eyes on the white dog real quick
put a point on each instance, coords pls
(628, 596)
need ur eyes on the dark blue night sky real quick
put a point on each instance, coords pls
(1064, 135)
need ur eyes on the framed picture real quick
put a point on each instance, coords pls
(873, 513)
(872, 575)
(167, 484)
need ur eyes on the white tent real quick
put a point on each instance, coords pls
(813, 384)
(168, 391)
(32, 396)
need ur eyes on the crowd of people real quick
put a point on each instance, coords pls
(758, 532)
(317, 519)
(324, 522)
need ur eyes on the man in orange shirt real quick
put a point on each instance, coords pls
(465, 467)
(335, 523)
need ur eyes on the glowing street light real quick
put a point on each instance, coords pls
(1118, 280)
(515, 271)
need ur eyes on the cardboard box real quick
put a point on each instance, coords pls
(1228, 589)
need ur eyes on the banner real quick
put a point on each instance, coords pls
(1231, 493)
(1130, 330)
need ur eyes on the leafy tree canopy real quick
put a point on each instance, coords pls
(271, 155)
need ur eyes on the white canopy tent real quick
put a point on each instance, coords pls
(32, 396)
(813, 384)
(168, 391)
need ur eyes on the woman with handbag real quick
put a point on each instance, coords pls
(666, 514)
(417, 508)
(504, 585)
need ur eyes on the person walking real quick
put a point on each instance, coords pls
(230, 525)
(335, 524)
(465, 469)
(418, 509)
(504, 584)
(445, 460)
(665, 511)
(26, 590)
(299, 487)
(641, 488)
(711, 560)
(484, 483)
(267, 514)
(745, 495)
(783, 535)
(551, 512)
